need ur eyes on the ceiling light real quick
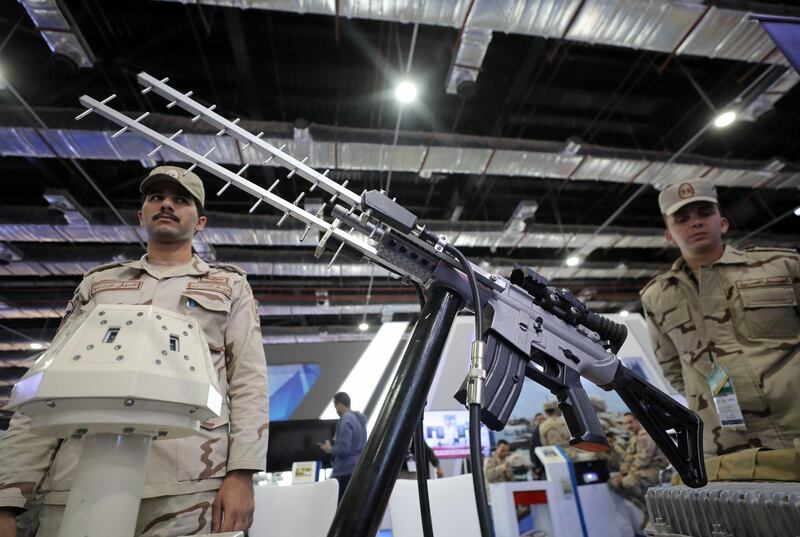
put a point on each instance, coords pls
(363, 327)
(573, 261)
(724, 119)
(37, 346)
(624, 313)
(405, 92)
(797, 212)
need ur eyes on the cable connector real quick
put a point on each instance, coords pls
(441, 243)
(476, 377)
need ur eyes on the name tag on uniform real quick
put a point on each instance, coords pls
(215, 286)
(115, 285)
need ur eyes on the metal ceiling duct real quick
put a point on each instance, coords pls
(59, 31)
(684, 28)
(489, 236)
(536, 159)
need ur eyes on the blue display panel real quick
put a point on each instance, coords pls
(288, 385)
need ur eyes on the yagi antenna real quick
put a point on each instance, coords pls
(299, 168)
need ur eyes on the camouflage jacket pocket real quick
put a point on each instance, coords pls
(204, 455)
(770, 307)
(211, 310)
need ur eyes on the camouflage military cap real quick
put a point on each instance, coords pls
(173, 174)
(677, 195)
(550, 405)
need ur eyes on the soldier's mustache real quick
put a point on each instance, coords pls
(166, 215)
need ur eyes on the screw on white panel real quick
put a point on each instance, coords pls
(176, 134)
(90, 110)
(321, 209)
(305, 233)
(274, 185)
(256, 204)
(147, 90)
(248, 144)
(242, 169)
(294, 171)
(155, 150)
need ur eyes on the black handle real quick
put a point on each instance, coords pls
(586, 430)
(658, 413)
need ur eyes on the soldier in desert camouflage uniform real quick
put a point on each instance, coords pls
(640, 466)
(193, 485)
(722, 309)
(554, 430)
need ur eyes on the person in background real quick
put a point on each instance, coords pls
(409, 463)
(497, 468)
(554, 430)
(348, 441)
(725, 327)
(537, 468)
(640, 466)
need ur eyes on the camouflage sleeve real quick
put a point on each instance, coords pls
(627, 458)
(666, 353)
(495, 471)
(247, 384)
(26, 457)
(646, 451)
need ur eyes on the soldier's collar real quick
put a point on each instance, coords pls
(196, 267)
(730, 256)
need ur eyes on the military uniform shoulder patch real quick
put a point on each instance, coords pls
(104, 267)
(228, 267)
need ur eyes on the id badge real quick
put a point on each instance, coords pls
(728, 409)
(412, 465)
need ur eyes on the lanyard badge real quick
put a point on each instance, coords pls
(728, 409)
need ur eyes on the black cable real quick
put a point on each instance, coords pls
(473, 284)
(476, 460)
(421, 460)
(475, 454)
(419, 455)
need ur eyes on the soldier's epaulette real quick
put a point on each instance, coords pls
(98, 268)
(228, 267)
(769, 250)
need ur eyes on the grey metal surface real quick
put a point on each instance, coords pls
(659, 25)
(736, 509)
(448, 157)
